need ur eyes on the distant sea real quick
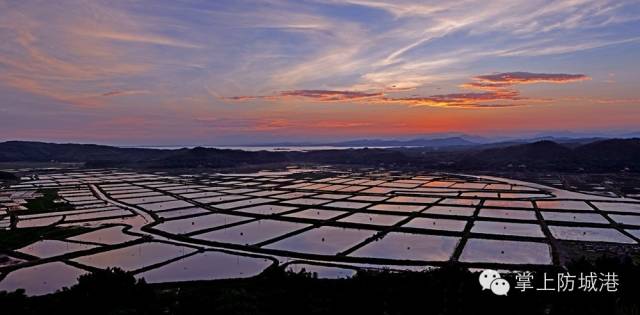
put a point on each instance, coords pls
(257, 148)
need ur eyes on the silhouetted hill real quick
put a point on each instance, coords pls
(542, 154)
(12, 151)
(618, 153)
(605, 155)
(215, 158)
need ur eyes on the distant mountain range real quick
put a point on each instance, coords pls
(609, 155)
(435, 143)
(455, 140)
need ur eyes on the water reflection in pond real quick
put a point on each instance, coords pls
(207, 266)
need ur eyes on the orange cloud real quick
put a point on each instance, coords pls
(341, 124)
(497, 88)
(462, 100)
(331, 96)
(485, 86)
(319, 95)
(512, 78)
(124, 93)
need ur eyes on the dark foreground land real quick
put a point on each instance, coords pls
(448, 290)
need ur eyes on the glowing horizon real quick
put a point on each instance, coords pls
(246, 72)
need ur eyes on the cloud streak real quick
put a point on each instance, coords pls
(512, 78)
(497, 88)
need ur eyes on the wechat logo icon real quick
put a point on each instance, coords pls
(491, 280)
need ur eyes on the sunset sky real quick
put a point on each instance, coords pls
(239, 72)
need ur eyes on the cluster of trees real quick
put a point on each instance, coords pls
(448, 290)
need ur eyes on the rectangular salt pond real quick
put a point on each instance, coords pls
(469, 185)
(141, 200)
(507, 228)
(459, 202)
(243, 203)
(437, 224)
(368, 198)
(508, 214)
(373, 219)
(51, 248)
(265, 209)
(397, 207)
(136, 195)
(481, 194)
(209, 265)
(293, 195)
(297, 186)
(498, 187)
(398, 185)
(135, 257)
(218, 199)
(506, 252)
(314, 187)
(508, 204)
(626, 219)
(125, 187)
(41, 279)
(68, 212)
(128, 191)
(412, 181)
(183, 191)
(451, 210)
(83, 198)
(378, 190)
(407, 246)
(38, 222)
(306, 201)
(333, 187)
(106, 236)
(252, 232)
(214, 188)
(97, 215)
(188, 225)
(325, 240)
(266, 193)
(371, 182)
(574, 217)
(316, 214)
(182, 212)
(332, 196)
(166, 205)
(239, 191)
(347, 205)
(439, 184)
(563, 205)
(353, 188)
(618, 206)
(523, 195)
(356, 181)
(201, 194)
(93, 203)
(589, 234)
(410, 199)
(635, 233)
